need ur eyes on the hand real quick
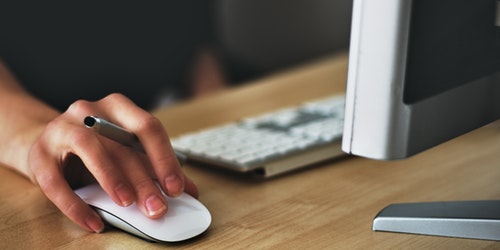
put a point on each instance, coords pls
(126, 175)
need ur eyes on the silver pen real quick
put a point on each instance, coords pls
(118, 134)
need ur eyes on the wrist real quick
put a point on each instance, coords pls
(20, 129)
(16, 155)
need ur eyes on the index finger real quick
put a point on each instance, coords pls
(52, 182)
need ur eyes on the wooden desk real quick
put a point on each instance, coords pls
(329, 206)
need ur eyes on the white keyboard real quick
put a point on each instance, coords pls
(271, 143)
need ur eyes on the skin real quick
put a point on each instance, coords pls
(45, 145)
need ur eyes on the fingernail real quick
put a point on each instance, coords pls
(124, 194)
(155, 206)
(94, 223)
(174, 185)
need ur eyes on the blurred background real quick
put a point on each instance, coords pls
(159, 52)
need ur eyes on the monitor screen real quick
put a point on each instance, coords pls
(420, 73)
(451, 43)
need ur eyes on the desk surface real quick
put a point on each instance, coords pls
(330, 205)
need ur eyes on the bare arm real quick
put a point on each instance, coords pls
(38, 142)
(22, 119)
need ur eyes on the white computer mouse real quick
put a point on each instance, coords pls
(186, 216)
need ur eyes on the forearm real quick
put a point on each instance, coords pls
(38, 141)
(22, 119)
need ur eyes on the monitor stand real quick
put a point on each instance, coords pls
(463, 219)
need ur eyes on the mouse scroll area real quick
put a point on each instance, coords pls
(186, 216)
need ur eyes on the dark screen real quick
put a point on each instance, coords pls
(451, 42)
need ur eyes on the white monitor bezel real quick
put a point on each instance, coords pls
(378, 124)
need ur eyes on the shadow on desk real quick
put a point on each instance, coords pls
(256, 177)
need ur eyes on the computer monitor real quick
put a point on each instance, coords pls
(420, 73)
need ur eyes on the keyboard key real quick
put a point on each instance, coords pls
(256, 140)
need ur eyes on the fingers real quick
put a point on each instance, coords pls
(190, 187)
(71, 138)
(53, 184)
(153, 138)
(149, 197)
(136, 176)
(126, 175)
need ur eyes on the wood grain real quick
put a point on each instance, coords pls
(327, 206)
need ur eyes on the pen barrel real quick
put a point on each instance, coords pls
(120, 135)
(114, 132)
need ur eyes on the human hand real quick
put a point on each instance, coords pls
(126, 175)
